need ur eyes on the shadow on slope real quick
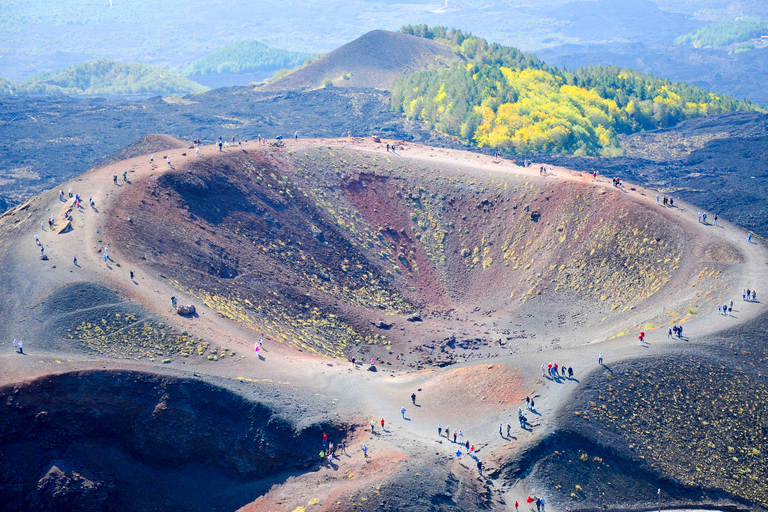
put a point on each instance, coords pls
(124, 440)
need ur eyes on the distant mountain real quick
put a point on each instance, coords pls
(246, 57)
(619, 20)
(106, 77)
(374, 60)
(742, 75)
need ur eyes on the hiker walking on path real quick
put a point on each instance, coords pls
(439, 430)
(413, 398)
(600, 358)
(403, 412)
(21, 347)
(15, 345)
(365, 451)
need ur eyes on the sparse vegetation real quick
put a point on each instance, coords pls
(694, 420)
(123, 336)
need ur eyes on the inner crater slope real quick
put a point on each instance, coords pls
(340, 249)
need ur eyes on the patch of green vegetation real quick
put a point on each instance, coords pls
(505, 99)
(104, 76)
(725, 33)
(245, 57)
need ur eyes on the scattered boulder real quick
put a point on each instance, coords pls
(381, 324)
(414, 318)
(317, 233)
(63, 487)
(372, 368)
(376, 139)
(189, 309)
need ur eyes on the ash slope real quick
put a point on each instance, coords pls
(375, 59)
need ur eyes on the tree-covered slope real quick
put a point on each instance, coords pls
(246, 57)
(725, 33)
(104, 76)
(508, 100)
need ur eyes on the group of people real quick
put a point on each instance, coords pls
(725, 309)
(671, 202)
(328, 453)
(18, 346)
(555, 371)
(749, 295)
(677, 330)
(52, 218)
(458, 438)
(703, 218)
